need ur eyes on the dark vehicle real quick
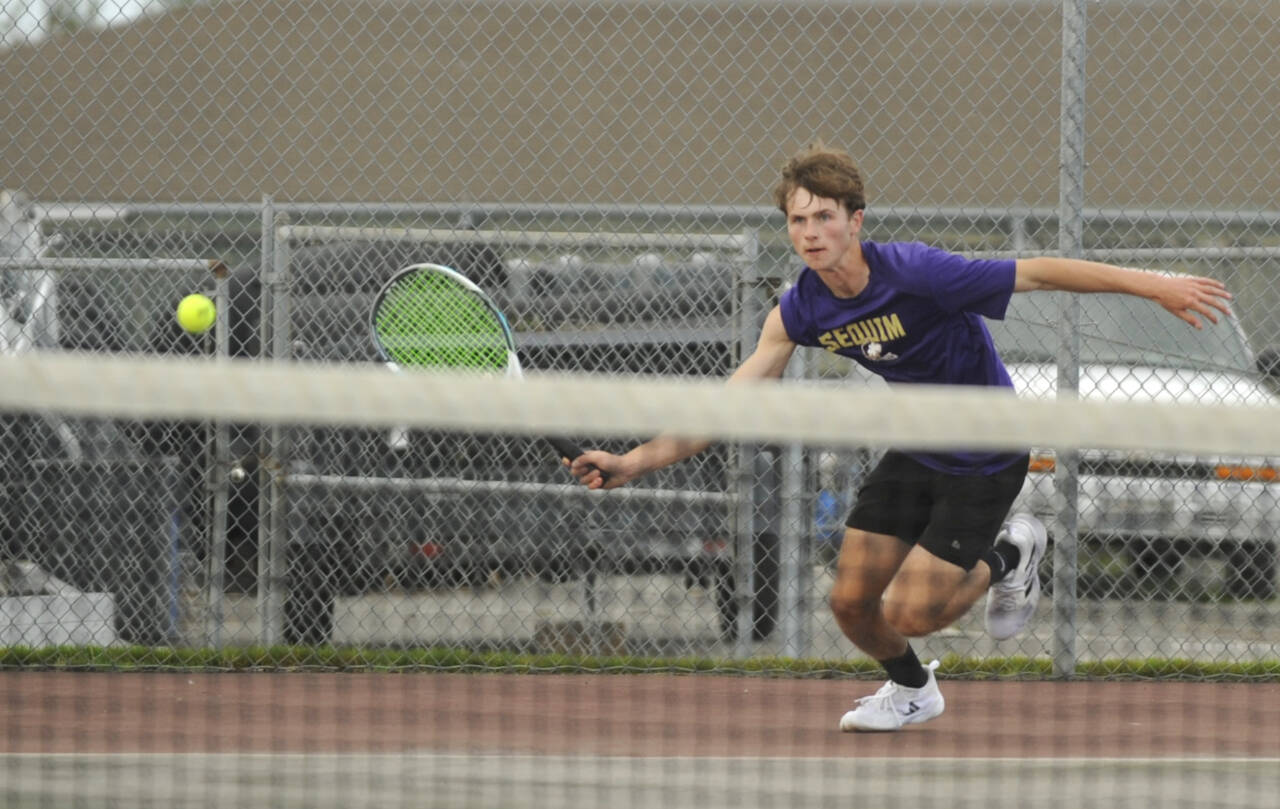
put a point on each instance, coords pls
(417, 509)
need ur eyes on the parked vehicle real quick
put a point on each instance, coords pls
(1147, 518)
(444, 510)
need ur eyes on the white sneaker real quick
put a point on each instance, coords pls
(896, 705)
(1011, 602)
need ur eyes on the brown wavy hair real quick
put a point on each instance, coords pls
(823, 172)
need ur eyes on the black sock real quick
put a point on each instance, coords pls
(906, 669)
(1002, 558)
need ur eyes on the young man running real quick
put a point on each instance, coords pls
(927, 535)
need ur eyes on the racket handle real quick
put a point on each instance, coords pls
(567, 449)
(570, 450)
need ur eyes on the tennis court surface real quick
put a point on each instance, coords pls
(1123, 697)
(412, 739)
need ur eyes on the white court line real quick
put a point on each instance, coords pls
(534, 757)
(390, 780)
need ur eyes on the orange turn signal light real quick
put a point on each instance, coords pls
(1266, 474)
(1042, 463)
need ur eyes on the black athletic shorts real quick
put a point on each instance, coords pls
(954, 517)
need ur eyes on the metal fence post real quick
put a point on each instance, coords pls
(795, 571)
(747, 315)
(1070, 243)
(216, 477)
(273, 530)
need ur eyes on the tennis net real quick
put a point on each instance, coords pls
(241, 583)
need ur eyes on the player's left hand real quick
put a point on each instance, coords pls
(1192, 297)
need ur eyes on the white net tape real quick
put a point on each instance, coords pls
(813, 414)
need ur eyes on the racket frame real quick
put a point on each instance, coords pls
(513, 369)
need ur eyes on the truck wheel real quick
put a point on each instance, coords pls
(1154, 572)
(1251, 570)
(764, 601)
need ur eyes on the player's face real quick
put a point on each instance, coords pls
(821, 230)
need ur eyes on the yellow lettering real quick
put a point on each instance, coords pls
(893, 328)
(864, 334)
(861, 332)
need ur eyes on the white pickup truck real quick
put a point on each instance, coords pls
(1156, 523)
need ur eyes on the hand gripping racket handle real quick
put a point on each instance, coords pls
(570, 450)
(567, 449)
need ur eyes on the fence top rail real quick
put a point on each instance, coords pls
(524, 238)
(1148, 254)
(110, 211)
(96, 264)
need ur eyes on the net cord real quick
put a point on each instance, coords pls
(788, 412)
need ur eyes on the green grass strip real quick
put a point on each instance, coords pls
(344, 659)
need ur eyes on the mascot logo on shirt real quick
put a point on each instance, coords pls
(876, 353)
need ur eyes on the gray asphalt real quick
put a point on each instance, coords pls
(662, 616)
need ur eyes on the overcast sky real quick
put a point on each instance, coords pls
(26, 19)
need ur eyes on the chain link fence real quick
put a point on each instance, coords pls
(603, 169)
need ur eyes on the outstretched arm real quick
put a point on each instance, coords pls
(1188, 297)
(768, 361)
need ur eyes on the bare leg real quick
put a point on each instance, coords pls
(928, 593)
(867, 564)
(972, 587)
(885, 592)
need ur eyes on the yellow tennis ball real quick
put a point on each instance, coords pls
(196, 313)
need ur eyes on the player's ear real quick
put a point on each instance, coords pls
(855, 221)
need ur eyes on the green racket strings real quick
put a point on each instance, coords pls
(429, 320)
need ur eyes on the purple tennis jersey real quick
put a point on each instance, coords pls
(918, 321)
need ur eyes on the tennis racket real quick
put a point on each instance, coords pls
(431, 316)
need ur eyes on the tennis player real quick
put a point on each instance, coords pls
(928, 534)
